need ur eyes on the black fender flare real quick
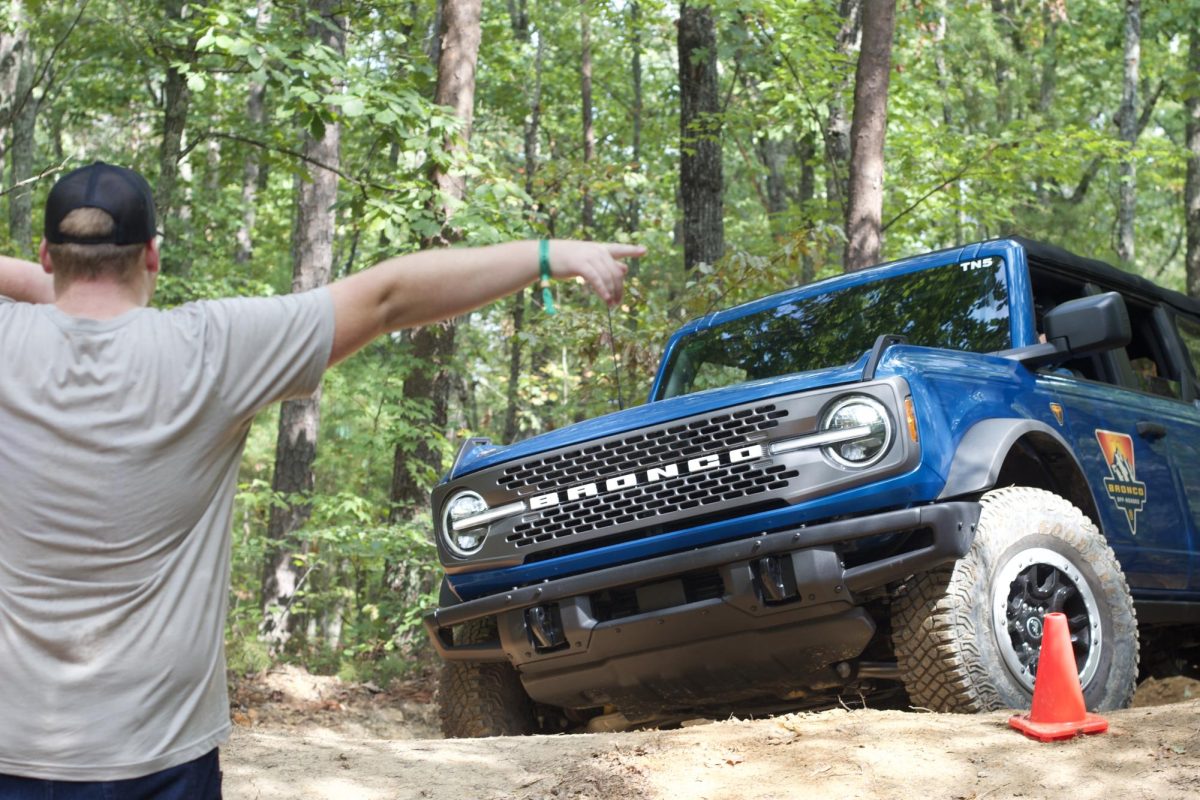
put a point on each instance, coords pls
(981, 453)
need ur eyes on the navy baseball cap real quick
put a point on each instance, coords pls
(123, 193)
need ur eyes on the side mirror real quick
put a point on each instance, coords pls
(1078, 328)
(1089, 324)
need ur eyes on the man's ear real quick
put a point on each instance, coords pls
(151, 256)
(44, 257)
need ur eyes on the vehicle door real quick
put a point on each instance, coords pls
(1131, 426)
(1187, 450)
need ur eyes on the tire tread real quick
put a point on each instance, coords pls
(934, 635)
(479, 699)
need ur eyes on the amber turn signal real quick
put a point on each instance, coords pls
(910, 416)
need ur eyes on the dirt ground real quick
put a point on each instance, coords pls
(301, 736)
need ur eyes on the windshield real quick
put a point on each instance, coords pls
(961, 306)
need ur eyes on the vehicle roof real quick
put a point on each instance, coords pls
(1048, 256)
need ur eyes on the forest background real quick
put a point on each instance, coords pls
(293, 143)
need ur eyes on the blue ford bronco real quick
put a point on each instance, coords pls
(874, 485)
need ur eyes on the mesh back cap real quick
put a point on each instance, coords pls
(123, 193)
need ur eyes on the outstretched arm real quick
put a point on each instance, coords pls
(439, 284)
(25, 281)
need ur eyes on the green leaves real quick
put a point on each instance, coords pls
(998, 123)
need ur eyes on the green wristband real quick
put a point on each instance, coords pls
(544, 272)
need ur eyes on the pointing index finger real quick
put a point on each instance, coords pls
(618, 250)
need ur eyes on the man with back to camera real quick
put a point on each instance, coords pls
(122, 431)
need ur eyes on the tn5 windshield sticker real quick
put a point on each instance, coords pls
(1127, 492)
(979, 263)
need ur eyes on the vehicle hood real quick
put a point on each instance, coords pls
(655, 413)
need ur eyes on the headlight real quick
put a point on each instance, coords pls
(463, 506)
(867, 429)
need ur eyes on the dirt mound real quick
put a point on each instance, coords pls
(287, 698)
(1148, 753)
(316, 738)
(1158, 692)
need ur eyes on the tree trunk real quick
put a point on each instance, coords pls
(1002, 17)
(864, 211)
(460, 35)
(1127, 118)
(837, 127)
(513, 390)
(773, 155)
(11, 44)
(433, 345)
(252, 166)
(520, 22)
(939, 64)
(635, 206)
(1048, 53)
(774, 160)
(589, 130)
(1191, 190)
(299, 420)
(533, 124)
(433, 41)
(701, 180)
(806, 193)
(176, 98)
(23, 124)
(943, 86)
(518, 12)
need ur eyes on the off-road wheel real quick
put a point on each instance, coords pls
(967, 635)
(476, 699)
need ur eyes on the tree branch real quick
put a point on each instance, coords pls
(287, 151)
(34, 179)
(750, 164)
(952, 179)
(1089, 174)
(46, 65)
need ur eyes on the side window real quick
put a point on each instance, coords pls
(1049, 291)
(1189, 334)
(1152, 369)
(1146, 364)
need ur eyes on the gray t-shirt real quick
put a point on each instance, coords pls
(119, 448)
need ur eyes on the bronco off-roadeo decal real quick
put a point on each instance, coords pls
(649, 476)
(1126, 491)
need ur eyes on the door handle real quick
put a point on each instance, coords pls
(1151, 430)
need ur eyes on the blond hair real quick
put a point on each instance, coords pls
(73, 261)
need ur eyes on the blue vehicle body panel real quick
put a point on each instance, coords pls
(952, 391)
(1157, 544)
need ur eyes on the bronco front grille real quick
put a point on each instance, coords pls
(644, 449)
(694, 490)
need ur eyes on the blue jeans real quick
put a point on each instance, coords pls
(195, 780)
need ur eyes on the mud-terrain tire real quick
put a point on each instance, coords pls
(967, 634)
(477, 699)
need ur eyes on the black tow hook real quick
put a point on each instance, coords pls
(778, 580)
(545, 627)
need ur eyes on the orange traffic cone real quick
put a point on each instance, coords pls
(1058, 711)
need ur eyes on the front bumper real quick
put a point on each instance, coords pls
(740, 638)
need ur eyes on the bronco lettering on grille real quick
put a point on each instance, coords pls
(653, 474)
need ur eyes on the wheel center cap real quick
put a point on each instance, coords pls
(1034, 627)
